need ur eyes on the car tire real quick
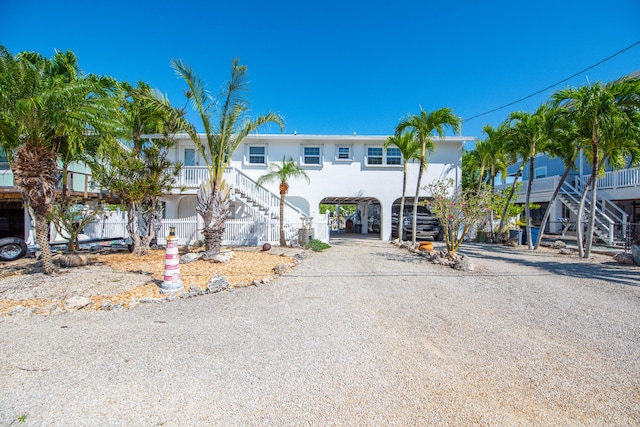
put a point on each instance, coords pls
(439, 237)
(12, 248)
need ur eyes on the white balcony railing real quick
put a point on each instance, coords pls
(618, 179)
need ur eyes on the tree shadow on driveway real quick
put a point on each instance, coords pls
(553, 262)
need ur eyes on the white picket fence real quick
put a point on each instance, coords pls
(238, 232)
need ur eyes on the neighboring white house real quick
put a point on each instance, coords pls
(342, 169)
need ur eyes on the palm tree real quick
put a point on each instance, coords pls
(46, 104)
(471, 165)
(493, 157)
(283, 174)
(424, 125)
(564, 145)
(410, 148)
(605, 114)
(222, 138)
(533, 128)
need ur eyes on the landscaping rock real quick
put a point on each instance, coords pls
(280, 269)
(624, 258)
(558, 244)
(190, 257)
(463, 263)
(217, 284)
(301, 255)
(566, 251)
(196, 290)
(72, 260)
(511, 243)
(76, 302)
(223, 257)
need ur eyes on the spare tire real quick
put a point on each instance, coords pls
(12, 248)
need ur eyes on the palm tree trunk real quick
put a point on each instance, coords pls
(592, 208)
(527, 206)
(580, 230)
(511, 193)
(547, 213)
(399, 228)
(492, 232)
(42, 237)
(283, 240)
(414, 224)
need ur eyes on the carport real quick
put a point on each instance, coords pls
(366, 220)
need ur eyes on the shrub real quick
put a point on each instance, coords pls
(316, 245)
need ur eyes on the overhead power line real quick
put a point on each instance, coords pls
(555, 84)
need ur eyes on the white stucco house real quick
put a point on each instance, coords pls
(342, 169)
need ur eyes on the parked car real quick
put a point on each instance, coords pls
(428, 226)
(12, 247)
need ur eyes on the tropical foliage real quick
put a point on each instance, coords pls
(458, 209)
(282, 174)
(601, 120)
(410, 149)
(48, 106)
(226, 123)
(139, 174)
(424, 125)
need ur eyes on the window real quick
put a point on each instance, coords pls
(311, 155)
(189, 157)
(393, 156)
(374, 155)
(540, 172)
(257, 155)
(378, 156)
(343, 152)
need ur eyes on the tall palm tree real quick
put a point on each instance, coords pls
(564, 145)
(222, 138)
(283, 174)
(605, 114)
(410, 148)
(533, 128)
(46, 104)
(424, 125)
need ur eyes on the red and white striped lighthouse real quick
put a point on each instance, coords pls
(172, 282)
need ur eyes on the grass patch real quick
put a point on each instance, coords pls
(317, 246)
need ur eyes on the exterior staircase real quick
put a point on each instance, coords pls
(263, 204)
(610, 221)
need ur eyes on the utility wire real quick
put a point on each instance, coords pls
(553, 85)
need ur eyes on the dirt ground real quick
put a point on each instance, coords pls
(120, 278)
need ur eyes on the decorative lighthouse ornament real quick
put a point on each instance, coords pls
(172, 282)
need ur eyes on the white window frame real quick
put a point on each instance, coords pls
(303, 156)
(542, 169)
(384, 158)
(349, 157)
(399, 157)
(368, 156)
(248, 156)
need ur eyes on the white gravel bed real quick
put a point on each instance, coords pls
(361, 334)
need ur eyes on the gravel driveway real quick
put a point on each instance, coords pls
(361, 334)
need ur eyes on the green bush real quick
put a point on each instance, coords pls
(316, 245)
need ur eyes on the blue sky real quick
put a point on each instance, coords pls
(338, 67)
